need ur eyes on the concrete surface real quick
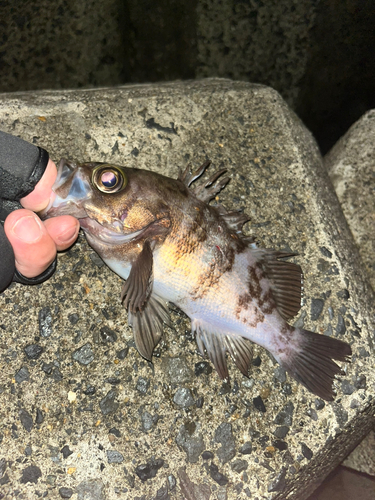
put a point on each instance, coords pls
(63, 44)
(351, 167)
(82, 415)
(318, 55)
(362, 458)
(350, 164)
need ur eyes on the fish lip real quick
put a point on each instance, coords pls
(66, 205)
(105, 235)
(62, 209)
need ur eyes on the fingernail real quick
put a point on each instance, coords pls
(68, 234)
(28, 229)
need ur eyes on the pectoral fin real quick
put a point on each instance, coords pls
(148, 325)
(147, 312)
(138, 287)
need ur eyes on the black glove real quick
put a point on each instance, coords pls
(22, 165)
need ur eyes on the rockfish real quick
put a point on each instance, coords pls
(171, 245)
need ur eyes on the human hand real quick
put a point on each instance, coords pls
(34, 242)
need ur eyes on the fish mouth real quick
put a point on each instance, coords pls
(93, 229)
(70, 191)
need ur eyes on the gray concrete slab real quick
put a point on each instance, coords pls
(351, 167)
(83, 411)
(362, 458)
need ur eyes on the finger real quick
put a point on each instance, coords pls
(34, 249)
(39, 198)
(63, 230)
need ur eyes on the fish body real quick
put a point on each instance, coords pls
(172, 246)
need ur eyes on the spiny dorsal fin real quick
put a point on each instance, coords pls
(211, 188)
(188, 177)
(286, 280)
(236, 219)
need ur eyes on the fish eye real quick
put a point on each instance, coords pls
(109, 179)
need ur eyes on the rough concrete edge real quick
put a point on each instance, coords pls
(359, 460)
(335, 451)
(301, 486)
(151, 87)
(339, 153)
(331, 156)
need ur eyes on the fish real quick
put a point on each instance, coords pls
(171, 245)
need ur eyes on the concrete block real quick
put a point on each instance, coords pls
(362, 458)
(350, 165)
(110, 427)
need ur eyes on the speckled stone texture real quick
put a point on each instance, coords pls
(69, 44)
(82, 415)
(60, 44)
(266, 41)
(350, 164)
(351, 167)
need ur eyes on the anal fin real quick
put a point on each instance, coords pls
(216, 344)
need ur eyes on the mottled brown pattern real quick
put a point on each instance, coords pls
(254, 316)
(286, 336)
(189, 240)
(244, 301)
(205, 281)
(254, 283)
(264, 298)
(222, 262)
(222, 246)
(267, 303)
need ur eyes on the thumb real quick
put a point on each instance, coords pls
(40, 197)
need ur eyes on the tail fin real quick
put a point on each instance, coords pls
(311, 363)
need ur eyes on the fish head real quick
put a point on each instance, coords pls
(114, 204)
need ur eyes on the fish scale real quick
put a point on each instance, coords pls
(169, 245)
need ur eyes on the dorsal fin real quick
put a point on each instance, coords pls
(286, 280)
(211, 188)
(188, 177)
(235, 220)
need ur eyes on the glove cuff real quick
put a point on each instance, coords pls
(37, 173)
(19, 278)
